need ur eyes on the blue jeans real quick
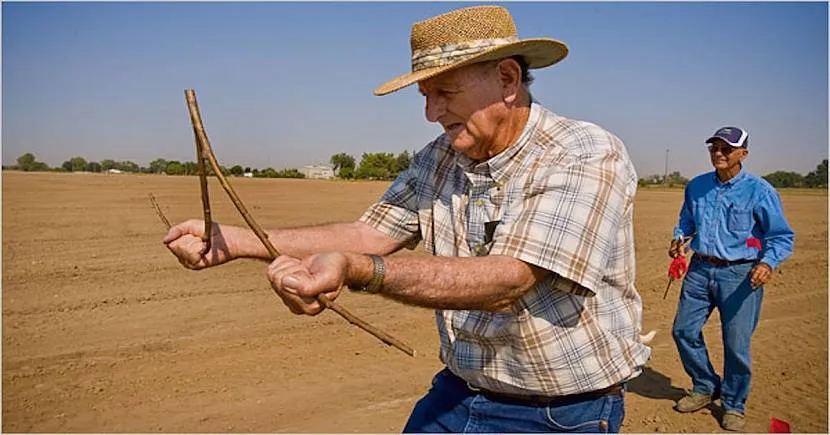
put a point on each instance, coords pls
(728, 289)
(450, 406)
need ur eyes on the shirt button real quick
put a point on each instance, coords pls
(480, 202)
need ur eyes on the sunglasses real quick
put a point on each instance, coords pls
(723, 150)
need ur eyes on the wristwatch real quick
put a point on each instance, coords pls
(376, 283)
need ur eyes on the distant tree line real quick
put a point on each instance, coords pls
(813, 179)
(816, 178)
(373, 166)
(28, 163)
(673, 179)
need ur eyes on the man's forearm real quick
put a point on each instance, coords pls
(491, 283)
(302, 242)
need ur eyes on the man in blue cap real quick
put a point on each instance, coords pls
(740, 235)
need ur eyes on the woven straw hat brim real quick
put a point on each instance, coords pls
(538, 53)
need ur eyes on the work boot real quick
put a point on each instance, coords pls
(732, 420)
(693, 401)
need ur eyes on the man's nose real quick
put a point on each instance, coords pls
(435, 108)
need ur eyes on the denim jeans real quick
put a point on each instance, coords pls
(728, 289)
(450, 406)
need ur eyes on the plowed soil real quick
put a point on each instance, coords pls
(104, 331)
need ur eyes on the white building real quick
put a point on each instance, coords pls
(317, 171)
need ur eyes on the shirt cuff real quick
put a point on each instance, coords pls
(772, 263)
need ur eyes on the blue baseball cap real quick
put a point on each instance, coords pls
(732, 135)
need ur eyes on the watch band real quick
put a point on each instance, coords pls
(376, 283)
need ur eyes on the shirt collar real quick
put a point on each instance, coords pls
(500, 166)
(734, 180)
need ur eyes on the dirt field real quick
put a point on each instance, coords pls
(103, 331)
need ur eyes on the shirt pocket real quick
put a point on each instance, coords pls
(487, 325)
(739, 220)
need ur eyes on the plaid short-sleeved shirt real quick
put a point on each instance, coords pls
(560, 198)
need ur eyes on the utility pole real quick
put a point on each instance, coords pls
(666, 173)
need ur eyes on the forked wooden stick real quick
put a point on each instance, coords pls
(159, 212)
(203, 145)
(203, 184)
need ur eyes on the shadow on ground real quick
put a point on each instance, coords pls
(655, 385)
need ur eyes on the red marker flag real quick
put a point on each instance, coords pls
(779, 426)
(678, 267)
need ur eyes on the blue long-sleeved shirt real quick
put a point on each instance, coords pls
(723, 217)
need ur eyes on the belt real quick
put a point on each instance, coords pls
(615, 389)
(719, 262)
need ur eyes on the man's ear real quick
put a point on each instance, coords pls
(510, 77)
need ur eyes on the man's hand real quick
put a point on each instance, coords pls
(185, 242)
(298, 282)
(761, 274)
(677, 249)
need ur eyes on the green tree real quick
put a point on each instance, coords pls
(93, 167)
(127, 166)
(266, 173)
(817, 178)
(346, 173)
(158, 166)
(75, 164)
(78, 164)
(237, 170)
(175, 168)
(377, 166)
(209, 170)
(342, 161)
(785, 179)
(290, 173)
(189, 168)
(403, 161)
(675, 179)
(26, 161)
(107, 164)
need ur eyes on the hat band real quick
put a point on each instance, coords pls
(443, 55)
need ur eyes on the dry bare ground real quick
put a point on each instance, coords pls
(103, 331)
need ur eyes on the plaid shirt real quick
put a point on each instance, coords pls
(560, 198)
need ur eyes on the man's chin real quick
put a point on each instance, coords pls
(467, 148)
(460, 146)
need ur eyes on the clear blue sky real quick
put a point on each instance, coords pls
(289, 84)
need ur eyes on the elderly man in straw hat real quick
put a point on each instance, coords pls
(527, 217)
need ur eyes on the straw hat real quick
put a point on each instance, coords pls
(466, 36)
